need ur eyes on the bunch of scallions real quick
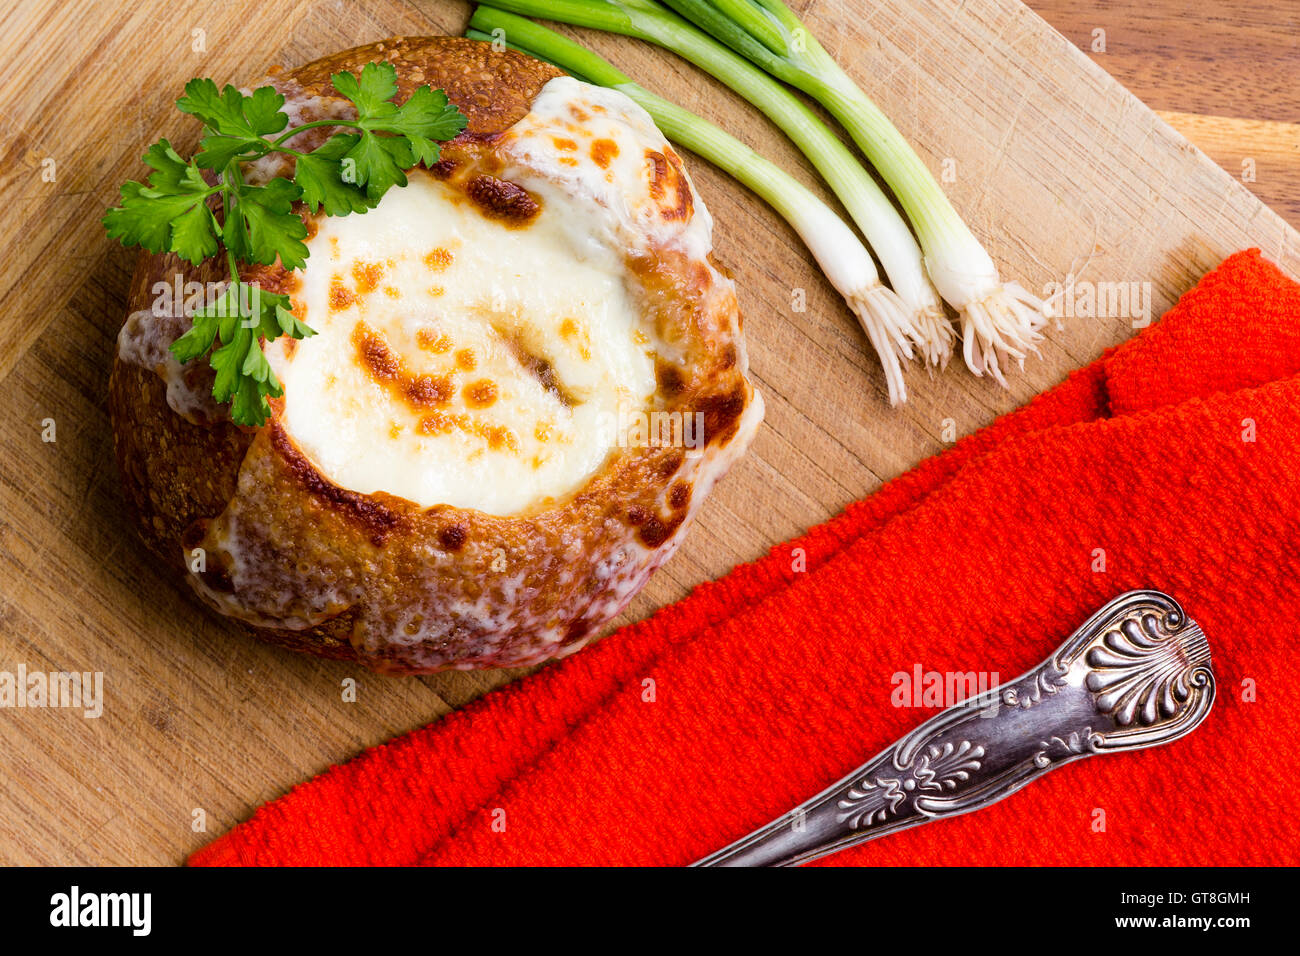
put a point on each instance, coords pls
(998, 320)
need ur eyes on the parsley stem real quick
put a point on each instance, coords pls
(290, 134)
(225, 218)
(230, 179)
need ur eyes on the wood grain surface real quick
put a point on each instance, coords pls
(1059, 169)
(1224, 74)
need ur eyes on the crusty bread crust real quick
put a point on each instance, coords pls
(185, 480)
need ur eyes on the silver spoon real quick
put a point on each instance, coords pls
(1137, 674)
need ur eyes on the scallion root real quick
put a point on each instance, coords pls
(933, 335)
(1003, 325)
(885, 319)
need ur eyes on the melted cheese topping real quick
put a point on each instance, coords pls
(596, 146)
(465, 360)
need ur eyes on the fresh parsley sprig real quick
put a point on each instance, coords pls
(174, 211)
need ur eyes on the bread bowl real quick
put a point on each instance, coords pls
(527, 375)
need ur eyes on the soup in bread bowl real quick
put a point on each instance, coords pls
(527, 373)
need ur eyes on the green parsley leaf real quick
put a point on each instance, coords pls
(320, 174)
(194, 234)
(426, 116)
(270, 226)
(222, 113)
(262, 111)
(197, 340)
(250, 406)
(147, 218)
(140, 221)
(236, 322)
(379, 162)
(232, 113)
(289, 323)
(221, 315)
(171, 174)
(371, 94)
(227, 359)
(169, 213)
(217, 151)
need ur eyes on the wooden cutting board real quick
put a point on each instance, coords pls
(1058, 168)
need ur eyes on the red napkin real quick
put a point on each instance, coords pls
(1175, 454)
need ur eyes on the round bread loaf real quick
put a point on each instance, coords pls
(473, 465)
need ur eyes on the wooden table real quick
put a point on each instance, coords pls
(1225, 75)
(1062, 172)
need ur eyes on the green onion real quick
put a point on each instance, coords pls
(998, 319)
(842, 257)
(868, 206)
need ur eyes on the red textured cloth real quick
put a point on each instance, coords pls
(775, 681)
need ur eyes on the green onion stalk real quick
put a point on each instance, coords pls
(885, 230)
(998, 319)
(841, 255)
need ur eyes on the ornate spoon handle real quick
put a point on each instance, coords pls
(1135, 675)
